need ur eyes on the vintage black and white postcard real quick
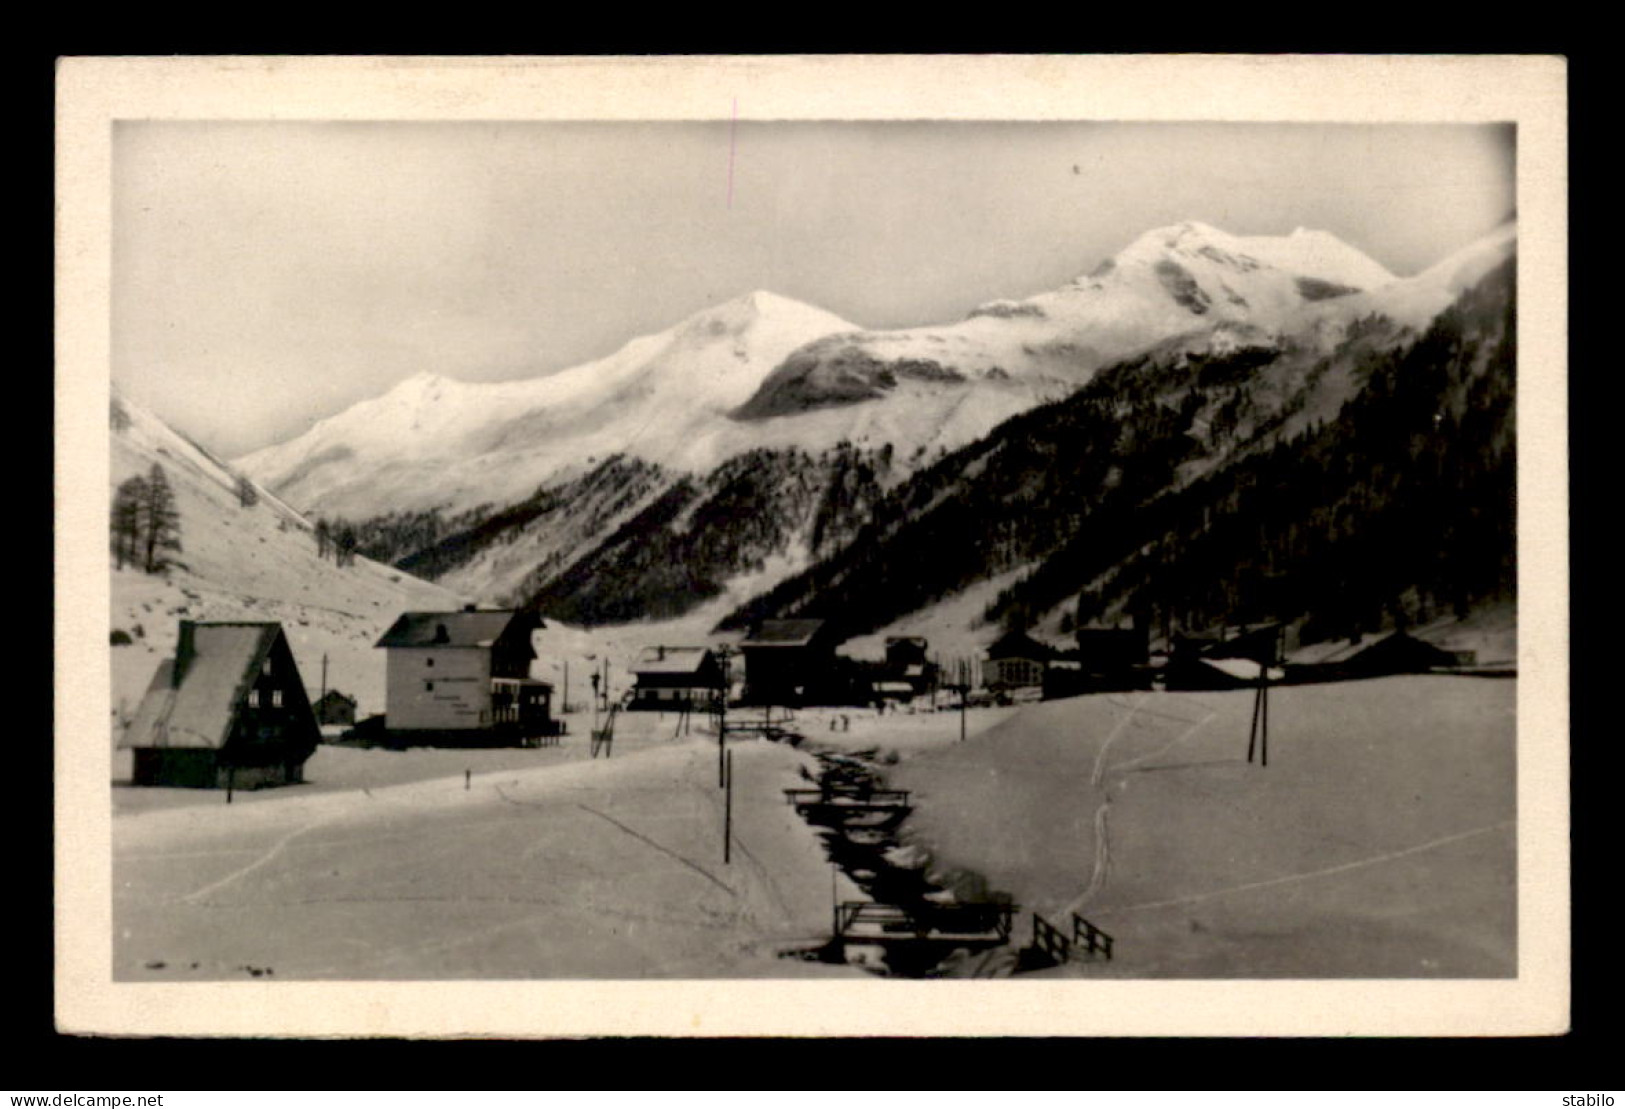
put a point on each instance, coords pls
(812, 546)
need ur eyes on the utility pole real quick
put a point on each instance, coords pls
(1259, 735)
(324, 677)
(728, 809)
(726, 658)
(961, 686)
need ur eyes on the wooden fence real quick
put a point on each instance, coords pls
(1058, 947)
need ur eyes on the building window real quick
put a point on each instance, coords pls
(428, 687)
(266, 669)
(253, 698)
(428, 662)
(276, 698)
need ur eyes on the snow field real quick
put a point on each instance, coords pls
(1379, 842)
(590, 869)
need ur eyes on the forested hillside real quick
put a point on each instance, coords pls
(1190, 488)
(682, 549)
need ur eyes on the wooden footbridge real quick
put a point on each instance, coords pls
(850, 805)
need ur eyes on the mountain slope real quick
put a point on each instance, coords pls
(432, 442)
(246, 563)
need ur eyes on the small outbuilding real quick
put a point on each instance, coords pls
(229, 710)
(335, 708)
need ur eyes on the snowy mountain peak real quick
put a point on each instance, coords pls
(762, 313)
(1314, 254)
(437, 441)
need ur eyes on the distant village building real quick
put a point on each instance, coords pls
(335, 708)
(1399, 653)
(1016, 661)
(1215, 660)
(676, 679)
(1104, 660)
(790, 662)
(465, 677)
(229, 710)
(908, 662)
(1111, 650)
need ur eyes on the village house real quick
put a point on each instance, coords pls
(790, 662)
(1016, 661)
(464, 677)
(228, 711)
(676, 679)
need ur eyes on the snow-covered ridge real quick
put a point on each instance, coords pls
(433, 441)
(1168, 281)
(790, 374)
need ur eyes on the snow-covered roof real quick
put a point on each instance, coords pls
(670, 660)
(784, 633)
(1243, 669)
(450, 629)
(1318, 654)
(1019, 645)
(199, 711)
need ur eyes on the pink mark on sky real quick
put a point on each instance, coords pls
(732, 125)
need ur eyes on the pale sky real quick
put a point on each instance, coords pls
(268, 274)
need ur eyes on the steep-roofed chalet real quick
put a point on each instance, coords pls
(228, 710)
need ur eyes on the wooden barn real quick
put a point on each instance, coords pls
(229, 710)
(464, 677)
(676, 679)
(335, 708)
(790, 662)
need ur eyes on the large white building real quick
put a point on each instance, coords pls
(466, 672)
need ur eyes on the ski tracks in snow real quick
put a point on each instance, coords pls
(270, 855)
(1323, 872)
(1103, 847)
